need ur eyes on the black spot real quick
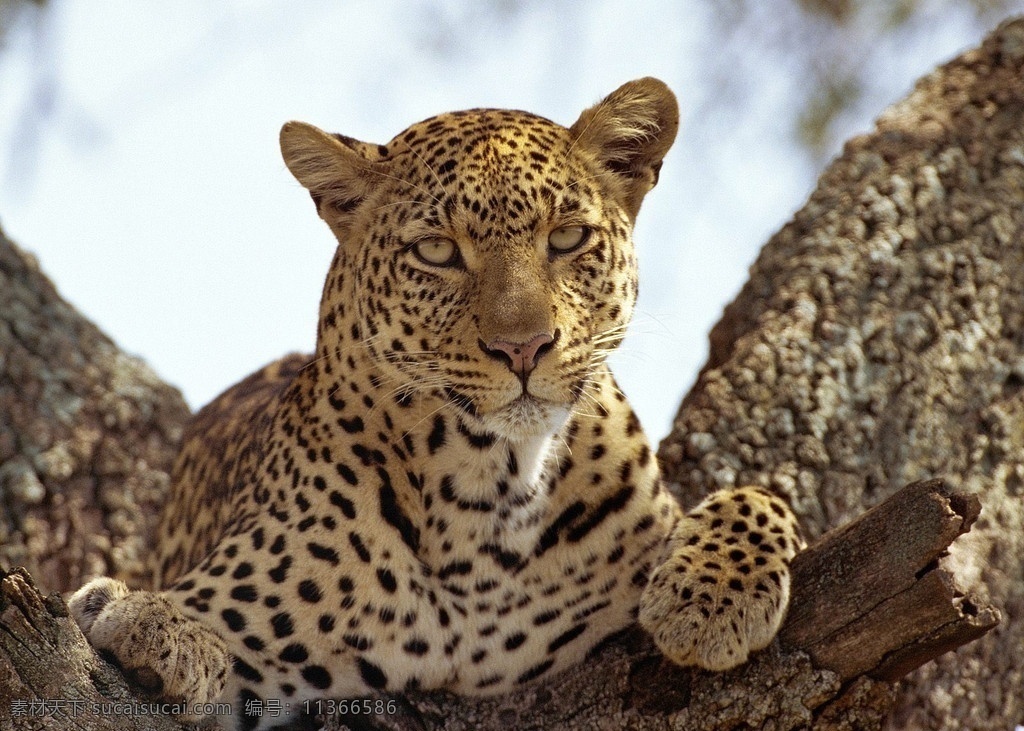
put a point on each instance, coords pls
(346, 473)
(566, 637)
(317, 676)
(448, 489)
(186, 585)
(513, 464)
(233, 619)
(368, 457)
(506, 559)
(352, 426)
(437, 437)
(296, 652)
(357, 543)
(282, 624)
(515, 640)
(455, 568)
(535, 672)
(550, 535)
(387, 580)
(343, 504)
(257, 539)
(249, 700)
(372, 675)
(565, 467)
(247, 671)
(643, 524)
(310, 591)
(244, 593)
(278, 545)
(477, 441)
(279, 573)
(326, 623)
(323, 553)
(355, 641)
(416, 647)
(609, 505)
(254, 643)
(394, 516)
(545, 617)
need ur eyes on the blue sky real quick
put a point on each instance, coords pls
(153, 193)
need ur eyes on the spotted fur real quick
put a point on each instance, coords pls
(451, 493)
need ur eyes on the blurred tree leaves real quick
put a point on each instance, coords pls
(10, 12)
(829, 49)
(825, 43)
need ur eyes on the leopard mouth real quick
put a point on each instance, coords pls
(524, 414)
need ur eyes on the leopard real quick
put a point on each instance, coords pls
(451, 493)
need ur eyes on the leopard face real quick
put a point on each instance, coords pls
(487, 254)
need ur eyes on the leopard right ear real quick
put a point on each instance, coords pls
(337, 171)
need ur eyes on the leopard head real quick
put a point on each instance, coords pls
(485, 257)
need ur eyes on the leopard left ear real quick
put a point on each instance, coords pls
(629, 132)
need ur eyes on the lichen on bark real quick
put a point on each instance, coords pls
(87, 436)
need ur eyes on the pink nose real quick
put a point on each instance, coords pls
(522, 357)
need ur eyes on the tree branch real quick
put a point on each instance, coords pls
(867, 600)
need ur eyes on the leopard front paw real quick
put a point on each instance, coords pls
(723, 590)
(161, 650)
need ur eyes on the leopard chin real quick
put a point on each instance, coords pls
(527, 417)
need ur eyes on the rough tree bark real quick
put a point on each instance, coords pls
(880, 340)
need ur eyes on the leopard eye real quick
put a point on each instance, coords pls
(437, 252)
(567, 238)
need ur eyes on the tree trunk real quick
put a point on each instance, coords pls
(879, 341)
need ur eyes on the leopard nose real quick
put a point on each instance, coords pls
(521, 358)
